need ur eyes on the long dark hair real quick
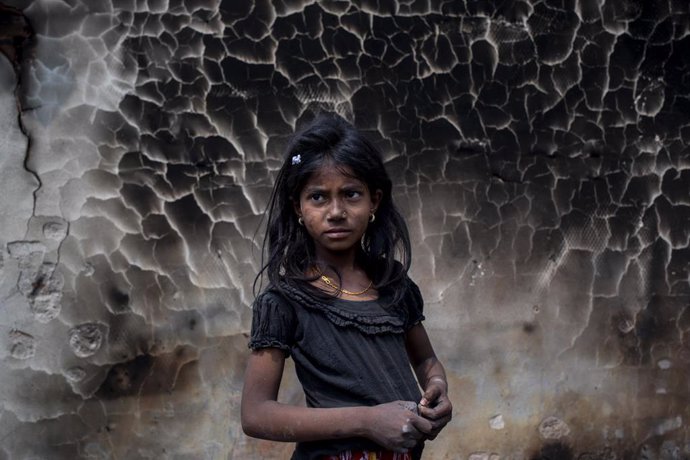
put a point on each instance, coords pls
(288, 250)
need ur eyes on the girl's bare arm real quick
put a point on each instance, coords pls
(264, 417)
(435, 404)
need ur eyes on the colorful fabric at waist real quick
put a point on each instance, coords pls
(368, 455)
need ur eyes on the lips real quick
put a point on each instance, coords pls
(338, 232)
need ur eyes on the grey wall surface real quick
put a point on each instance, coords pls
(539, 151)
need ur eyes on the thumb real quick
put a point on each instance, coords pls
(430, 395)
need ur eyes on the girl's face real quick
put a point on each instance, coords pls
(335, 208)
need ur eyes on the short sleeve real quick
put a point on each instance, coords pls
(414, 305)
(273, 323)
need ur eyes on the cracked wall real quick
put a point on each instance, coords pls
(540, 155)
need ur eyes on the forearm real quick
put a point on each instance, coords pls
(434, 405)
(422, 357)
(281, 422)
(428, 370)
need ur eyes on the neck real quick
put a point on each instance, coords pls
(342, 276)
(345, 262)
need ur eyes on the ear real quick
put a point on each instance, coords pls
(376, 199)
(296, 207)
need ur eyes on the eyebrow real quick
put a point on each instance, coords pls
(320, 188)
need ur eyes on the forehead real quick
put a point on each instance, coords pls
(332, 175)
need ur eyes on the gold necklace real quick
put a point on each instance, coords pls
(329, 282)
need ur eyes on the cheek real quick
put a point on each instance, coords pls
(310, 221)
(360, 224)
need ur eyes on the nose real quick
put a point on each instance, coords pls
(336, 211)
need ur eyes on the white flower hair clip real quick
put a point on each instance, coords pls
(296, 159)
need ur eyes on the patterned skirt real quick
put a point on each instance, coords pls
(368, 455)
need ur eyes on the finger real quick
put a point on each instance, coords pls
(431, 436)
(432, 413)
(409, 431)
(422, 425)
(437, 427)
(439, 424)
(409, 444)
(428, 413)
(443, 408)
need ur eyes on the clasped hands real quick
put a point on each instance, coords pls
(401, 425)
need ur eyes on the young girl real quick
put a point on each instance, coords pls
(343, 307)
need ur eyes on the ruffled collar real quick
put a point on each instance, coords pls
(376, 321)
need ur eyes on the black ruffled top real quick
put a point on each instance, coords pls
(346, 353)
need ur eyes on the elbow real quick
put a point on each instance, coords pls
(253, 424)
(249, 430)
(250, 425)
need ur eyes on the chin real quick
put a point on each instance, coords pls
(338, 247)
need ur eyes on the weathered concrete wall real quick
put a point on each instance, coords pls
(540, 154)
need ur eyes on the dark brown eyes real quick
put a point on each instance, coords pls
(320, 196)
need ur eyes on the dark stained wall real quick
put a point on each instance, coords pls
(539, 151)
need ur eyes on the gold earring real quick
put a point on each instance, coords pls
(300, 221)
(372, 218)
